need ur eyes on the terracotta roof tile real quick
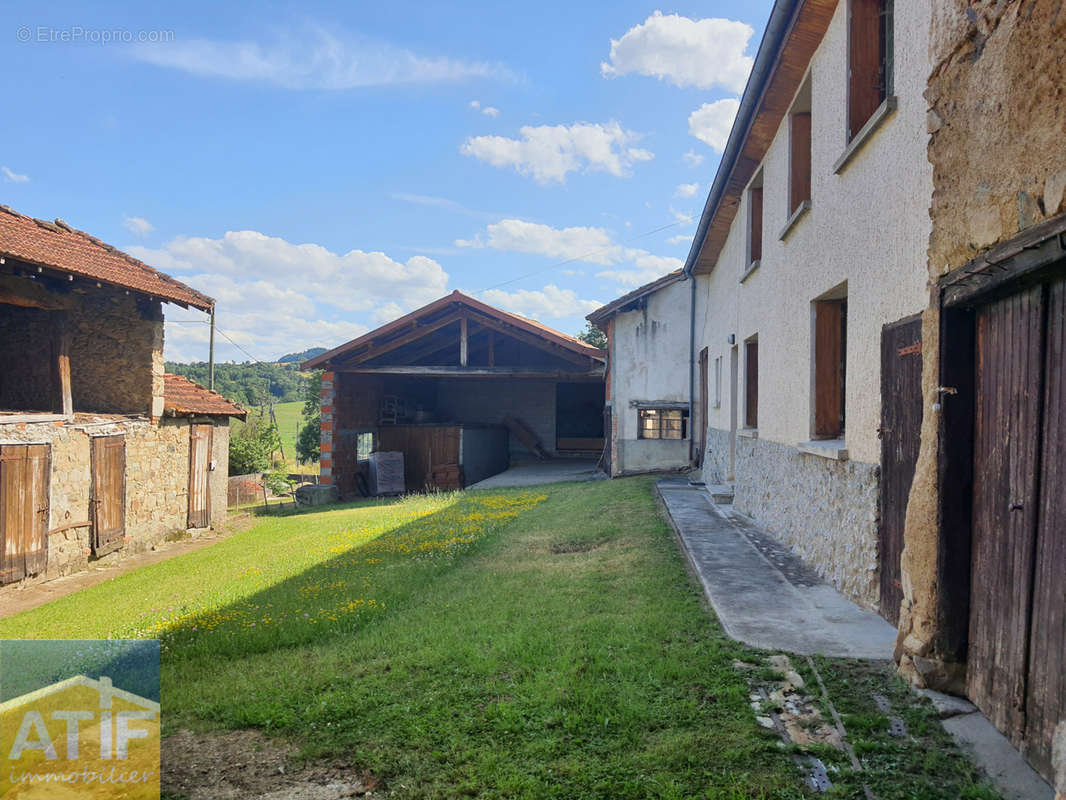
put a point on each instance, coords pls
(181, 396)
(56, 245)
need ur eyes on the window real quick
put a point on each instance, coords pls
(662, 423)
(718, 382)
(364, 445)
(799, 180)
(751, 383)
(830, 351)
(869, 60)
(755, 221)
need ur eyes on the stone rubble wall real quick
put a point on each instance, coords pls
(157, 477)
(826, 510)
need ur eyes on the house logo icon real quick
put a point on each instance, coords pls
(79, 738)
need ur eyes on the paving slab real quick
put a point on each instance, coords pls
(763, 593)
(556, 471)
(1006, 768)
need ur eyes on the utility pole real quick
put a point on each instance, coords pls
(211, 354)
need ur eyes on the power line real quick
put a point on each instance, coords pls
(219, 331)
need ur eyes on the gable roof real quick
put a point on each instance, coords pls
(617, 306)
(58, 246)
(182, 397)
(103, 686)
(445, 304)
(793, 33)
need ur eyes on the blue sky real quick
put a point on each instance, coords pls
(322, 168)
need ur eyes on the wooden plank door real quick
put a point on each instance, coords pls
(1046, 691)
(109, 493)
(900, 433)
(24, 491)
(1005, 504)
(703, 408)
(199, 472)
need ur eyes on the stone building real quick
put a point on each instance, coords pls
(648, 407)
(101, 453)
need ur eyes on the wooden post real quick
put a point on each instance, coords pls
(463, 341)
(64, 401)
(211, 354)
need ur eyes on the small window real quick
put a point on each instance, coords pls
(751, 383)
(799, 181)
(830, 351)
(755, 217)
(870, 49)
(364, 445)
(662, 423)
(718, 382)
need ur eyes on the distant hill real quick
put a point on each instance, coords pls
(249, 384)
(297, 358)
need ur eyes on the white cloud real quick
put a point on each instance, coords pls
(703, 53)
(475, 104)
(138, 225)
(692, 159)
(13, 177)
(551, 302)
(711, 122)
(282, 297)
(549, 152)
(490, 111)
(587, 244)
(686, 190)
(681, 238)
(312, 58)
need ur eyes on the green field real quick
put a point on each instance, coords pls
(289, 421)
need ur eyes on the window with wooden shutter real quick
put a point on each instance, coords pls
(799, 182)
(751, 384)
(830, 349)
(870, 59)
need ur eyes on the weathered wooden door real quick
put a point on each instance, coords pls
(1017, 637)
(199, 471)
(24, 481)
(108, 493)
(900, 433)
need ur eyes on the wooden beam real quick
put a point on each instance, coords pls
(477, 372)
(535, 341)
(64, 401)
(400, 341)
(27, 293)
(464, 342)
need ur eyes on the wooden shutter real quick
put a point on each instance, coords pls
(800, 178)
(24, 492)
(755, 224)
(864, 62)
(199, 475)
(751, 385)
(704, 407)
(829, 322)
(109, 493)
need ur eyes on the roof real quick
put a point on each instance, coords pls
(563, 340)
(793, 33)
(181, 397)
(58, 246)
(619, 305)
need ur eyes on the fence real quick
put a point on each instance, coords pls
(245, 489)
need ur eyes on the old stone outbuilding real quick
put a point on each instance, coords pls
(101, 453)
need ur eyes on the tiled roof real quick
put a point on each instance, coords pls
(181, 396)
(56, 245)
(615, 306)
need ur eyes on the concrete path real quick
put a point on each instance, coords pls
(764, 595)
(558, 470)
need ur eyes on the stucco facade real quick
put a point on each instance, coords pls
(863, 238)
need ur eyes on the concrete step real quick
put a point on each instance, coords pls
(721, 493)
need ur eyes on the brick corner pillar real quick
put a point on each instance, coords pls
(325, 461)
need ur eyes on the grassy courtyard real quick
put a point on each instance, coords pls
(525, 643)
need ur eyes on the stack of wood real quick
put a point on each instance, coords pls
(447, 477)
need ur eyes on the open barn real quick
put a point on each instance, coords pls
(463, 390)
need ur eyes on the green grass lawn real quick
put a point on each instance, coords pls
(289, 421)
(526, 643)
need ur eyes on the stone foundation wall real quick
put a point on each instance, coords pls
(826, 510)
(157, 475)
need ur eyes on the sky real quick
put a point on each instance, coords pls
(320, 169)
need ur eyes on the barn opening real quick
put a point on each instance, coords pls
(463, 390)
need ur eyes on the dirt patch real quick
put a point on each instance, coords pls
(563, 548)
(246, 765)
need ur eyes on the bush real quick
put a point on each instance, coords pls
(252, 445)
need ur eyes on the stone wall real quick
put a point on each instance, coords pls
(157, 475)
(826, 510)
(26, 366)
(997, 98)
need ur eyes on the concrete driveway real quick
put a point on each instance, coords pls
(556, 471)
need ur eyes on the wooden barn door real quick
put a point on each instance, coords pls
(1017, 634)
(24, 480)
(109, 493)
(199, 472)
(900, 433)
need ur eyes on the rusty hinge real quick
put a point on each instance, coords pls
(911, 350)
